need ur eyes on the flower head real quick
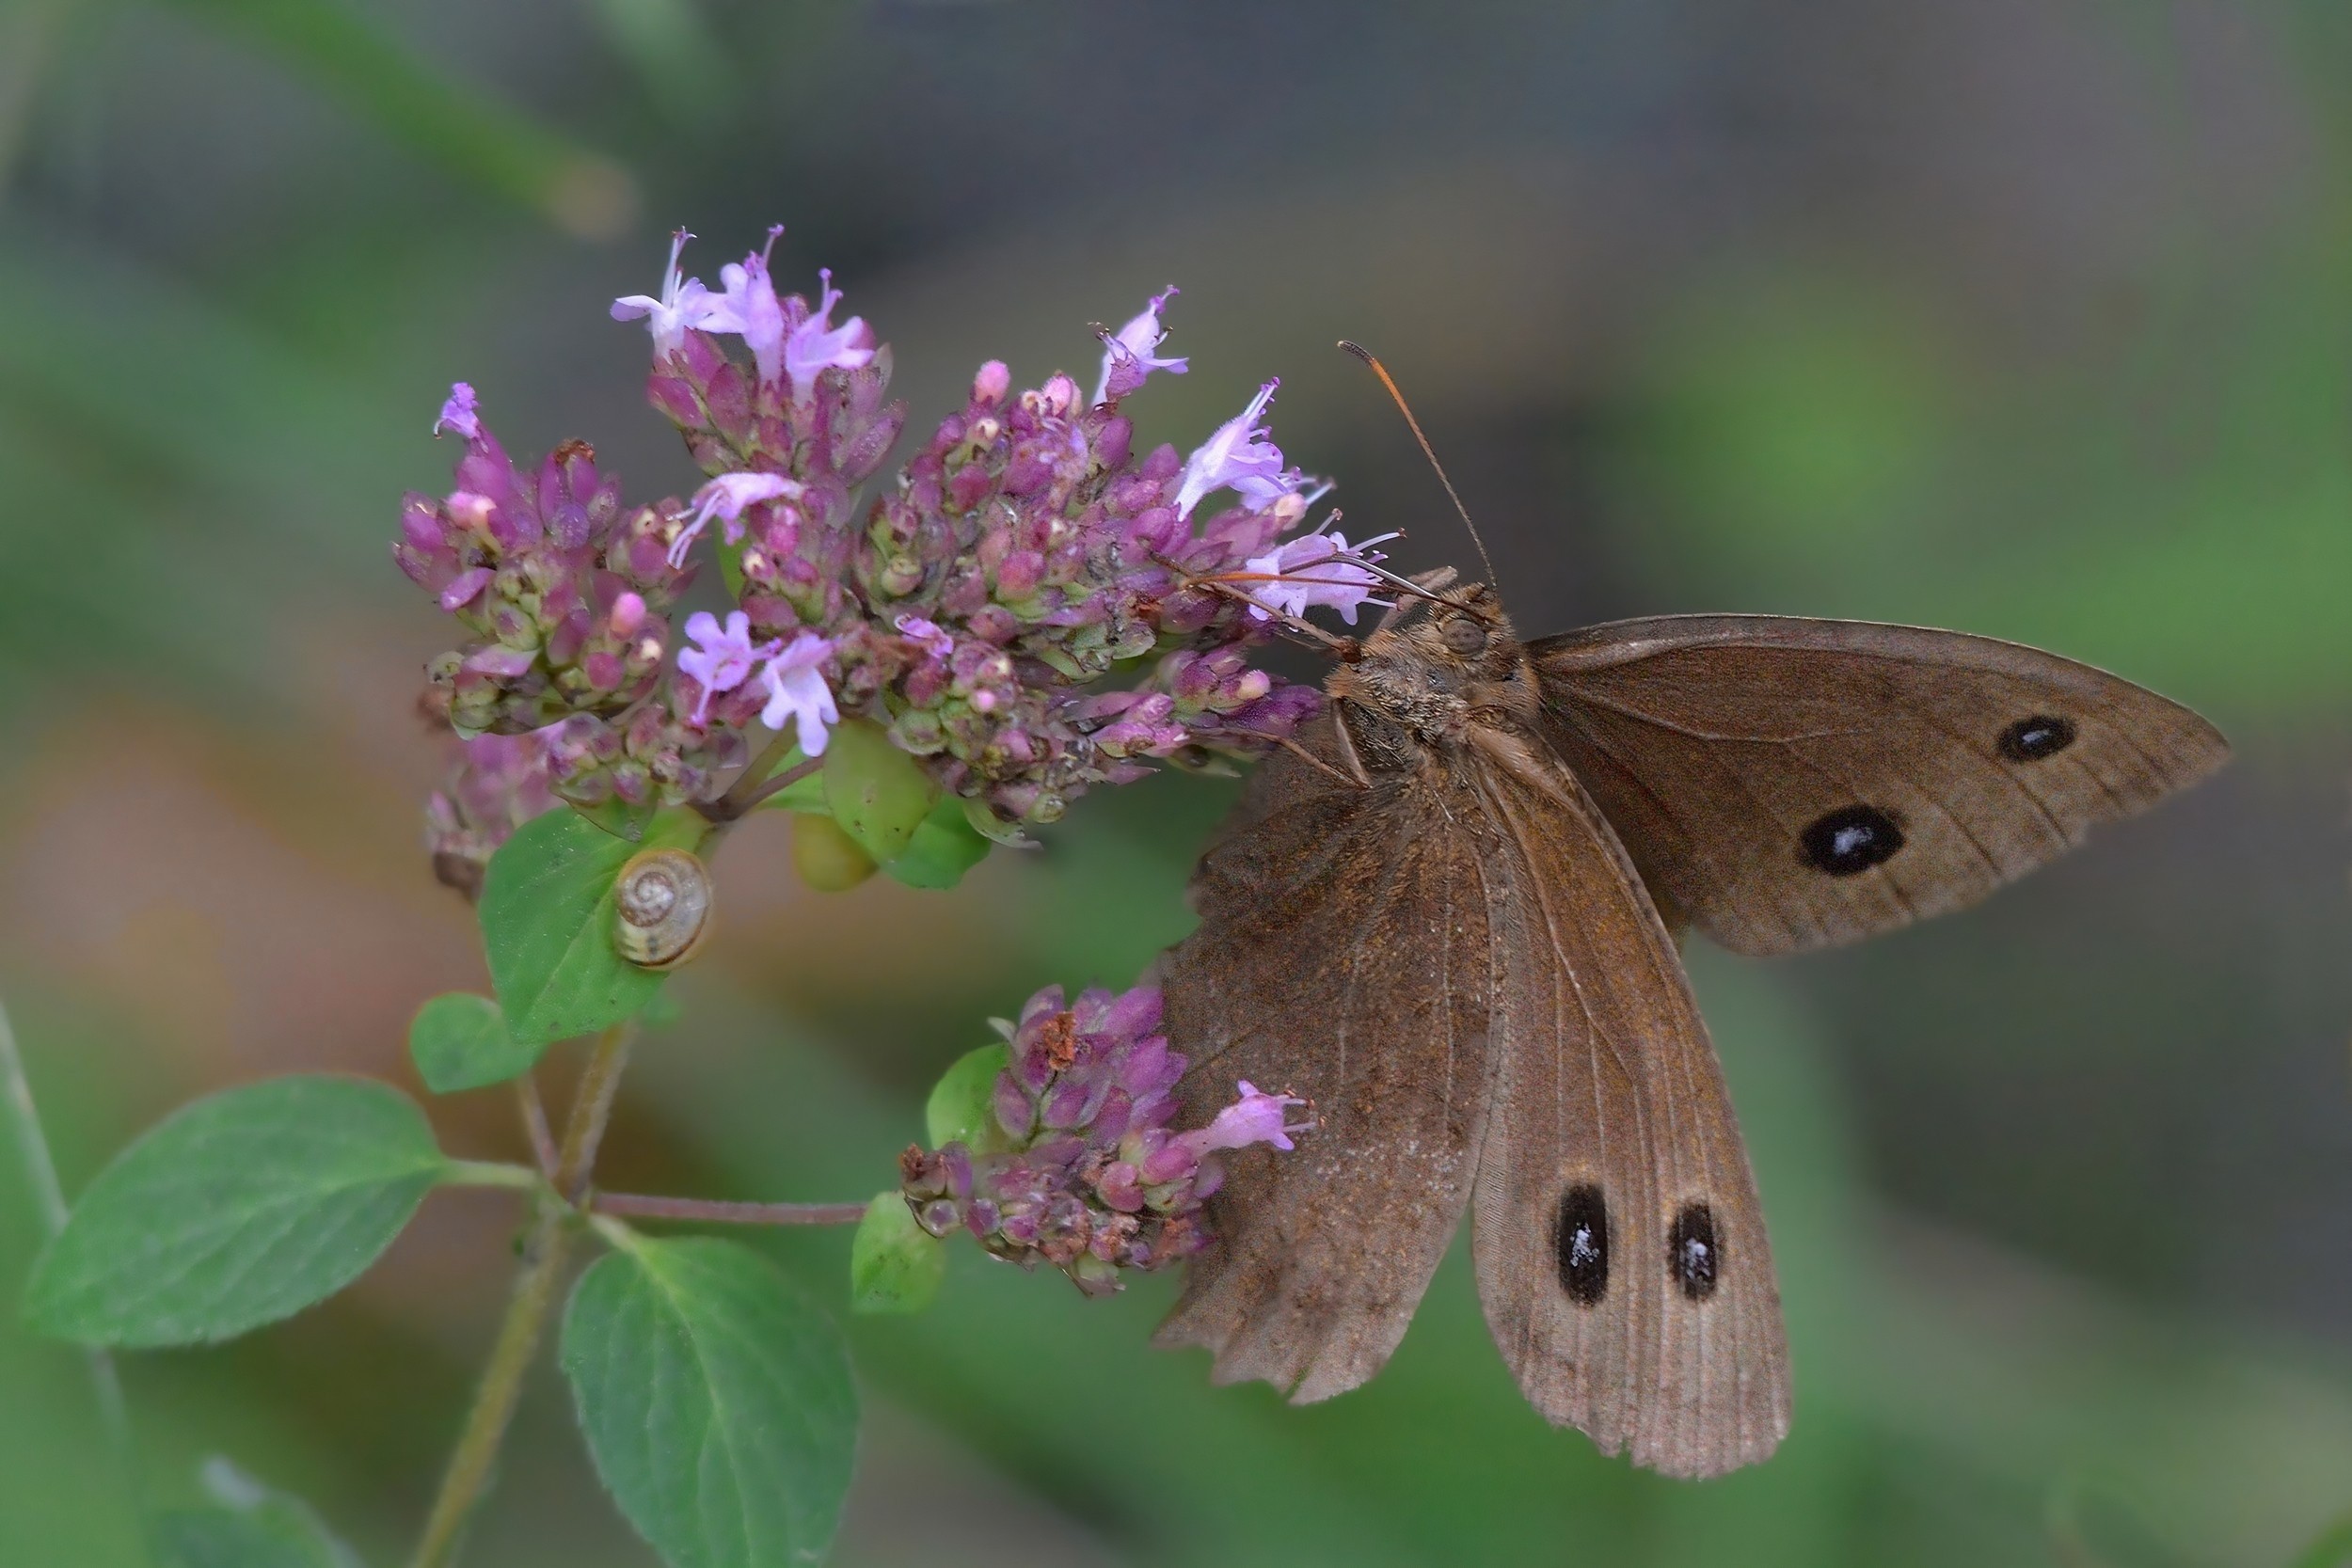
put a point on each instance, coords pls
(1320, 568)
(720, 661)
(1127, 356)
(725, 497)
(1078, 1167)
(1240, 457)
(797, 692)
(457, 413)
(684, 304)
(816, 344)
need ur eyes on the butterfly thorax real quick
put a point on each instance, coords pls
(1443, 670)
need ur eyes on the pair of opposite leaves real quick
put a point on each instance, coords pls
(1450, 916)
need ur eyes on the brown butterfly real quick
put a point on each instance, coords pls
(1449, 918)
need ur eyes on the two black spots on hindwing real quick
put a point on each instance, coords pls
(1580, 1240)
(1852, 839)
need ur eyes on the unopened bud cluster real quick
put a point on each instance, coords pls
(1078, 1166)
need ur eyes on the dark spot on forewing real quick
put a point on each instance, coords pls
(1850, 839)
(1579, 1240)
(1693, 1256)
(2041, 735)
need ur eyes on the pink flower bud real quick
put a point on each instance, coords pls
(629, 613)
(994, 380)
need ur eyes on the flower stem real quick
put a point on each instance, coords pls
(41, 1171)
(489, 1173)
(746, 790)
(778, 784)
(719, 1212)
(534, 1302)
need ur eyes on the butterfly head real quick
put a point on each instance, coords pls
(1441, 661)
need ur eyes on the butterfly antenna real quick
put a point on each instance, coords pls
(1426, 451)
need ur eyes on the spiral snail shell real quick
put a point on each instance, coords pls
(661, 908)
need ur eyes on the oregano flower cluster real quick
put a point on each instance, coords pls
(1030, 606)
(1074, 1164)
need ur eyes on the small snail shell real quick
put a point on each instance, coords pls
(661, 908)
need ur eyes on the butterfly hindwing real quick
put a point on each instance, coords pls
(1620, 1246)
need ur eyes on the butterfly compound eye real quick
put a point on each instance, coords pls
(1464, 636)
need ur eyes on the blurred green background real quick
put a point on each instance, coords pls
(2030, 317)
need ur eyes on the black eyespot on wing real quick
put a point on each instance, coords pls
(1580, 1240)
(1850, 839)
(1693, 1256)
(2041, 735)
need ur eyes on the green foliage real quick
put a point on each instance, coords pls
(895, 1264)
(235, 1211)
(250, 1526)
(460, 1041)
(944, 848)
(962, 1105)
(876, 792)
(716, 1400)
(546, 923)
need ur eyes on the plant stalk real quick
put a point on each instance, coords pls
(40, 1172)
(720, 1211)
(545, 1252)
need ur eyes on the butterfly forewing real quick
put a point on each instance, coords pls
(1787, 784)
(1342, 955)
(1620, 1248)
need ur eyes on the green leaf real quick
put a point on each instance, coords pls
(895, 1264)
(962, 1107)
(249, 1527)
(546, 923)
(716, 1400)
(877, 793)
(619, 818)
(461, 1041)
(944, 846)
(235, 1211)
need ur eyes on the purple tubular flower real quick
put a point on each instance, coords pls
(749, 309)
(1256, 1117)
(684, 304)
(1082, 1171)
(457, 413)
(1127, 356)
(817, 344)
(797, 692)
(1319, 569)
(1241, 458)
(725, 497)
(720, 661)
